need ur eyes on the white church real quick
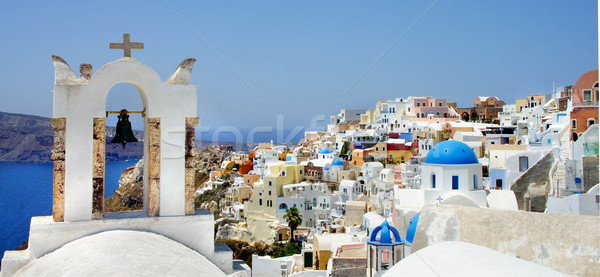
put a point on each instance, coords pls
(168, 237)
(452, 175)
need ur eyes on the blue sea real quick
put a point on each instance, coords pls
(26, 191)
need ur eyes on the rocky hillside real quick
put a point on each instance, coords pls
(130, 194)
(29, 138)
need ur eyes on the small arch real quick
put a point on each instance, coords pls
(591, 121)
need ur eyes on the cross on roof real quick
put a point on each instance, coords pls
(126, 45)
(439, 199)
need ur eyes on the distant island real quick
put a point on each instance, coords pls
(29, 138)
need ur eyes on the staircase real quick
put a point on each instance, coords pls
(565, 153)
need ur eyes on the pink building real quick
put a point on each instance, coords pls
(425, 105)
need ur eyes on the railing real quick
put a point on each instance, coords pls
(553, 185)
(586, 104)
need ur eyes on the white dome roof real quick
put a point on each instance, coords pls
(122, 253)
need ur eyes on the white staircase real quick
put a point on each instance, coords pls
(565, 153)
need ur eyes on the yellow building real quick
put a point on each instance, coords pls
(399, 156)
(520, 104)
(264, 196)
(359, 156)
(238, 194)
(367, 117)
(532, 100)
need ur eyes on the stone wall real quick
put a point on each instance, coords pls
(565, 243)
(533, 185)
(349, 267)
(590, 172)
(190, 171)
(99, 142)
(153, 186)
(58, 155)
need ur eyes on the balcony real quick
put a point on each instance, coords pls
(586, 104)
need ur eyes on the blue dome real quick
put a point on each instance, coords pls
(386, 234)
(324, 151)
(412, 228)
(337, 162)
(451, 152)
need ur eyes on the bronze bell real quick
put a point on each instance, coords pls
(124, 134)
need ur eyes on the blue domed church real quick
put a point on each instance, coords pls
(451, 175)
(451, 168)
(385, 248)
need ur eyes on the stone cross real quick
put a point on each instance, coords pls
(439, 199)
(126, 45)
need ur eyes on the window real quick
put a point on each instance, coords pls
(573, 123)
(587, 95)
(475, 181)
(260, 202)
(440, 104)
(498, 183)
(300, 171)
(433, 181)
(591, 122)
(454, 182)
(269, 192)
(418, 104)
(282, 173)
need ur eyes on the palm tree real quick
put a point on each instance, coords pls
(293, 218)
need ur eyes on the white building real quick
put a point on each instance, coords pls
(451, 174)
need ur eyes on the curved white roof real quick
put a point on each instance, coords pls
(122, 253)
(457, 258)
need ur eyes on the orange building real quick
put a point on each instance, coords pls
(585, 103)
(245, 167)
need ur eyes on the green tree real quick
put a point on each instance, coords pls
(293, 218)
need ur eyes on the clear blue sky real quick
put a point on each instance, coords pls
(300, 56)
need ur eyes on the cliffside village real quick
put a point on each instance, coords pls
(375, 170)
(416, 187)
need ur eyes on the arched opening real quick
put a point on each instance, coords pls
(118, 157)
(591, 121)
(283, 206)
(465, 116)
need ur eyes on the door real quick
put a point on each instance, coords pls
(308, 259)
(454, 182)
(523, 164)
